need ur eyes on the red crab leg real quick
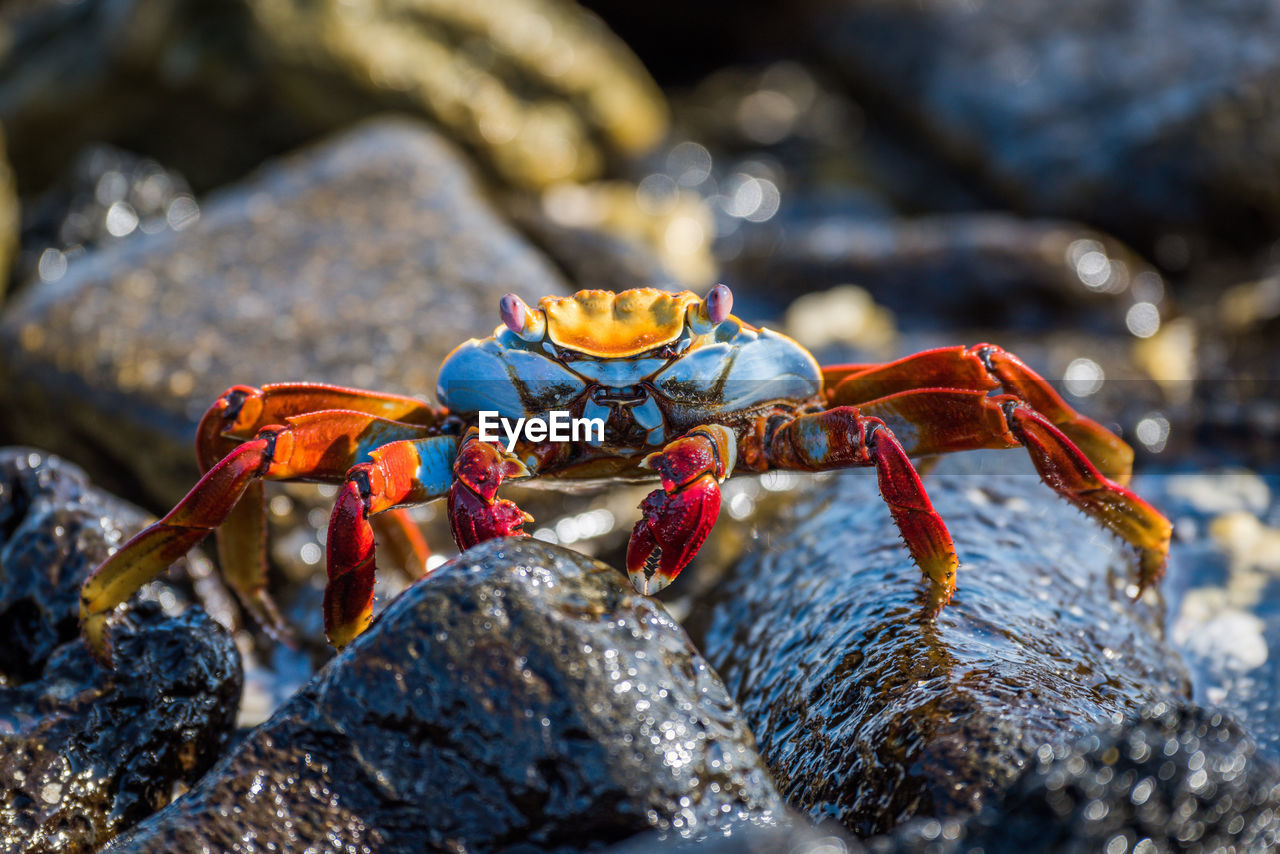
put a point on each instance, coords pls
(398, 474)
(475, 512)
(678, 517)
(843, 437)
(944, 420)
(982, 367)
(317, 446)
(237, 415)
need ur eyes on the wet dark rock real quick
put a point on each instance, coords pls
(1177, 778)
(362, 261)
(1138, 117)
(86, 752)
(794, 837)
(541, 91)
(868, 714)
(523, 697)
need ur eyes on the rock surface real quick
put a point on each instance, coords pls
(362, 261)
(869, 715)
(1136, 116)
(86, 752)
(1176, 778)
(523, 697)
(795, 837)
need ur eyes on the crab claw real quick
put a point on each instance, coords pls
(673, 528)
(475, 513)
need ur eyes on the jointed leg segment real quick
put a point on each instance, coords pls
(984, 368)
(318, 446)
(844, 437)
(406, 472)
(940, 400)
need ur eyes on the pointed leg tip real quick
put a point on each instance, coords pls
(342, 634)
(936, 599)
(649, 584)
(94, 631)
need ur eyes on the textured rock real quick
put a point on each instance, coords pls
(86, 752)
(870, 715)
(523, 697)
(362, 261)
(1174, 779)
(795, 837)
(1137, 116)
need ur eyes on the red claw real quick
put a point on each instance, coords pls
(475, 520)
(673, 528)
(475, 512)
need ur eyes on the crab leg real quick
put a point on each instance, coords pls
(945, 420)
(678, 517)
(397, 474)
(237, 415)
(318, 446)
(844, 437)
(982, 367)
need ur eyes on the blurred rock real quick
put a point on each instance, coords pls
(1224, 586)
(869, 715)
(797, 122)
(953, 270)
(523, 697)
(86, 752)
(675, 225)
(539, 88)
(8, 217)
(845, 314)
(1176, 778)
(1141, 118)
(362, 262)
(108, 195)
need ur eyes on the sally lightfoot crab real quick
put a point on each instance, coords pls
(687, 393)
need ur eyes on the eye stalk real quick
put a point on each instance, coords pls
(711, 311)
(528, 323)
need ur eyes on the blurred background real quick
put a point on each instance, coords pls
(195, 194)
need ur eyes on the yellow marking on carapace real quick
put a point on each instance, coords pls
(605, 324)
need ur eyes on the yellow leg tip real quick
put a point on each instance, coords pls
(341, 634)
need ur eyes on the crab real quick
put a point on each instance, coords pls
(688, 393)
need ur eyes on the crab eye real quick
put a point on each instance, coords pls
(525, 322)
(708, 313)
(719, 303)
